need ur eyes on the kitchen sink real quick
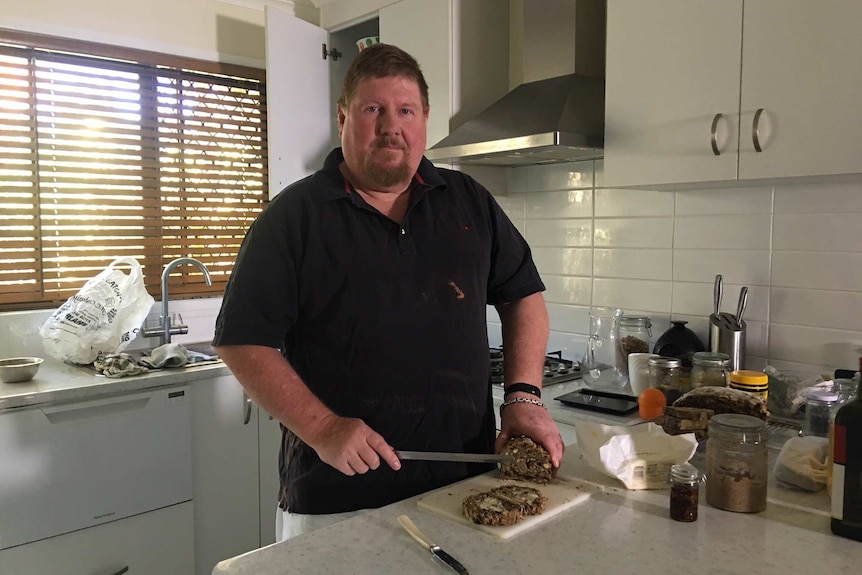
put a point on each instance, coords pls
(204, 347)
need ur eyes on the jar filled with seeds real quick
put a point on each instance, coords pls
(708, 368)
(635, 333)
(737, 466)
(664, 373)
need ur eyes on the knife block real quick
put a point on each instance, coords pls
(728, 338)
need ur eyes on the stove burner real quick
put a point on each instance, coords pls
(557, 369)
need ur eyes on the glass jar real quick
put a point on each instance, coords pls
(737, 466)
(635, 333)
(605, 365)
(819, 406)
(685, 482)
(754, 382)
(664, 373)
(708, 368)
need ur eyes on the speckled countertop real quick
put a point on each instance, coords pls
(614, 532)
(59, 382)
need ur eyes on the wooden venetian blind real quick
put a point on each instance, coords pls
(102, 158)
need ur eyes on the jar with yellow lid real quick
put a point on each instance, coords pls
(755, 382)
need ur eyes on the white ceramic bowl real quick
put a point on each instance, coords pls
(19, 369)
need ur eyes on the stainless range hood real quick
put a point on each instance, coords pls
(544, 122)
(558, 113)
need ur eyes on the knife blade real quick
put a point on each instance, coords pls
(435, 550)
(446, 456)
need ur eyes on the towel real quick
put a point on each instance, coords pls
(173, 355)
(118, 365)
(167, 355)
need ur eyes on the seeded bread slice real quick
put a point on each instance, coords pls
(724, 400)
(504, 505)
(532, 463)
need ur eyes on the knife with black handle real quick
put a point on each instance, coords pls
(435, 550)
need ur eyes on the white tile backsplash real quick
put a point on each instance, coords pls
(634, 232)
(797, 246)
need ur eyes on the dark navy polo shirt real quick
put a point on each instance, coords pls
(383, 321)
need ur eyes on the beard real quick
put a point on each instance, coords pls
(379, 174)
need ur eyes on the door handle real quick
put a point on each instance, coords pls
(713, 135)
(246, 417)
(754, 127)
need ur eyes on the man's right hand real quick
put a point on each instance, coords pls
(350, 446)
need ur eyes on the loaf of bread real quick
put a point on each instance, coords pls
(532, 463)
(724, 400)
(505, 505)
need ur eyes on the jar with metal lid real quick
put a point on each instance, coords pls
(710, 368)
(635, 333)
(737, 465)
(685, 480)
(755, 382)
(664, 373)
(819, 407)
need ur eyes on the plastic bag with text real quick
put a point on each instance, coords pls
(103, 317)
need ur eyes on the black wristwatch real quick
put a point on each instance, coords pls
(525, 387)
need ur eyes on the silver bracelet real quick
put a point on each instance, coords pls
(529, 400)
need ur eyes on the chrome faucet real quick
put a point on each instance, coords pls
(166, 327)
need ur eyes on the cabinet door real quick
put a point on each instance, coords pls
(672, 65)
(225, 467)
(157, 542)
(801, 65)
(298, 98)
(269, 438)
(424, 29)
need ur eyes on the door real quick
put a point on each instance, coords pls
(431, 45)
(298, 98)
(672, 66)
(269, 446)
(224, 436)
(801, 66)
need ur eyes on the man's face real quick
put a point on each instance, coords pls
(383, 132)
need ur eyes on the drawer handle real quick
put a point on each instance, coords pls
(713, 135)
(246, 409)
(754, 127)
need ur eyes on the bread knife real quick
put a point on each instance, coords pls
(435, 550)
(446, 456)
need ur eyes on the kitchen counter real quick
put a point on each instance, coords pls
(615, 531)
(59, 382)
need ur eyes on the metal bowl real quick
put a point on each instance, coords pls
(19, 369)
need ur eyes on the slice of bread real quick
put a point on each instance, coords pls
(532, 463)
(505, 505)
(724, 400)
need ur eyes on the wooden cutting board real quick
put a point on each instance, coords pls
(563, 493)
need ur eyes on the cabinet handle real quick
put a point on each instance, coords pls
(246, 409)
(121, 571)
(754, 126)
(713, 135)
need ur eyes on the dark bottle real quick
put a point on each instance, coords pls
(847, 469)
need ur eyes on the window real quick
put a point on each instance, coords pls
(109, 152)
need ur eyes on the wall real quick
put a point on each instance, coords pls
(230, 31)
(796, 245)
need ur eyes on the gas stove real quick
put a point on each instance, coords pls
(557, 369)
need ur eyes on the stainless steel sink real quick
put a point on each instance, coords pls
(204, 348)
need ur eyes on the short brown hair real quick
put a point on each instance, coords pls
(381, 61)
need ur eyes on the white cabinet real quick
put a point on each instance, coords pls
(685, 81)
(462, 47)
(269, 437)
(157, 542)
(225, 469)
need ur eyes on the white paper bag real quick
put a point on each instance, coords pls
(640, 456)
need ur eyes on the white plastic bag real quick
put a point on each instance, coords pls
(101, 318)
(802, 463)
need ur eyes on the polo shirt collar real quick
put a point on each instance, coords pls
(336, 186)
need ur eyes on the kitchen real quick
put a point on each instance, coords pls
(646, 251)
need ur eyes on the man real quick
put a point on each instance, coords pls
(356, 311)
